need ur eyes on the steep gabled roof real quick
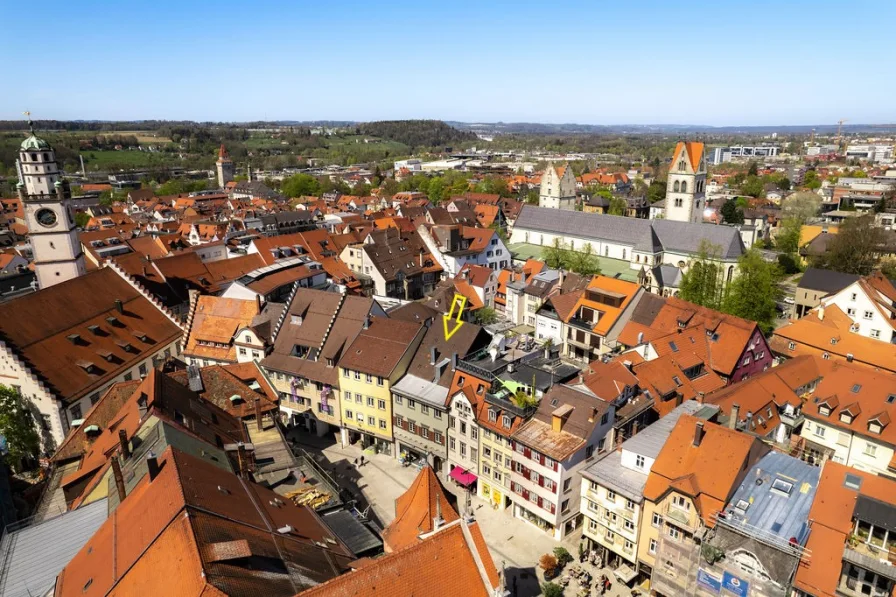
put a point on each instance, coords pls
(416, 509)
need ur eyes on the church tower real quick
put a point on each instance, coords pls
(46, 199)
(686, 183)
(225, 167)
(558, 188)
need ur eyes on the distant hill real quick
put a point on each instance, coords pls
(417, 133)
(538, 128)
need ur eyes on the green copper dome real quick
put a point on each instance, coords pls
(33, 142)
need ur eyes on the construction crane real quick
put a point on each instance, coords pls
(839, 129)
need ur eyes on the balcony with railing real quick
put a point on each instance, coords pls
(680, 517)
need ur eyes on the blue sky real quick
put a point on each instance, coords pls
(598, 62)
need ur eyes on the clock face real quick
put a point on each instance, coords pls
(46, 217)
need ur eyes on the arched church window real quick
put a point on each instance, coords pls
(681, 166)
(684, 186)
(33, 157)
(676, 186)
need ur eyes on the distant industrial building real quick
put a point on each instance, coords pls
(871, 153)
(721, 155)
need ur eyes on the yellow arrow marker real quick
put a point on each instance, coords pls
(458, 302)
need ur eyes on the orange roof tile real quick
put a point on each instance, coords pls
(415, 511)
(710, 472)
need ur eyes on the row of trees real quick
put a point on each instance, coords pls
(559, 255)
(752, 292)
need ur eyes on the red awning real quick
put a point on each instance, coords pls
(462, 476)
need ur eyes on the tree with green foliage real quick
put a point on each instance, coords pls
(179, 186)
(388, 188)
(656, 191)
(703, 282)
(299, 185)
(856, 247)
(753, 170)
(17, 425)
(752, 186)
(753, 292)
(584, 262)
(495, 185)
(784, 183)
(551, 589)
(618, 206)
(81, 219)
(811, 180)
(732, 213)
(362, 189)
(788, 237)
(532, 197)
(802, 205)
(555, 255)
(485, 316)
(563, 556)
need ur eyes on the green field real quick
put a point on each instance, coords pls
(102, 160)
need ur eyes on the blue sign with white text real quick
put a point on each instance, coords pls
(708, 581)
(735, 585)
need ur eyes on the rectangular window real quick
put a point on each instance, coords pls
(370, 401)
(875, 334)
(382, 423)
(437, 437)
(681, 502)
(639, 461)
(868, 314)
(368, 378)
(474, 453)
(381, 404)
(629, 525)
(487, 452)
(371, 421)
(673, 532)
(412, 426)
(870, 449)
(379, 381)
(451, 444)
(629, 505)
(437, 413)
(424, 409)
(651, 548)
(463, 449)
(411, 404)
(611, 496)
(359, 399)
(399, 420)
(657, 520)
(349, 415)
(358, 375)
(474, 432)
(397, 398)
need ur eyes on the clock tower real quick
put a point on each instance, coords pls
(46, 199)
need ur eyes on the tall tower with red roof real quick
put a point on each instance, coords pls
(686, 183)
(225, 167)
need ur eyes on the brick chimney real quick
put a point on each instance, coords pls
(732, 417)
(119, 479)
(123, 442)
(698, 434)
(152, 466)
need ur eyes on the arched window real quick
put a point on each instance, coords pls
(681, 166)
(730, 272)
(637, 259)
(675, 186)
(623, 253)
(684, 186)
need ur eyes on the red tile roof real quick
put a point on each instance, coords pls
(416, 509)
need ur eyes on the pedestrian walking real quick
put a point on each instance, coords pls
(362, 460)
(356, 462)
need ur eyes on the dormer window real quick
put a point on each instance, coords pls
(875, 427)
(506, 421)
(824, 410)
(492, 415)
(846, 418)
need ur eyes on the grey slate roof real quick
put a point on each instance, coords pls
(682, 237)
(33, 556)
(667, 275)
(826, 280)
(769, 510)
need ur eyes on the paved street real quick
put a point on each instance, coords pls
(514, 543)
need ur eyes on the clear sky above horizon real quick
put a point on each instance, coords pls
(637, 62)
